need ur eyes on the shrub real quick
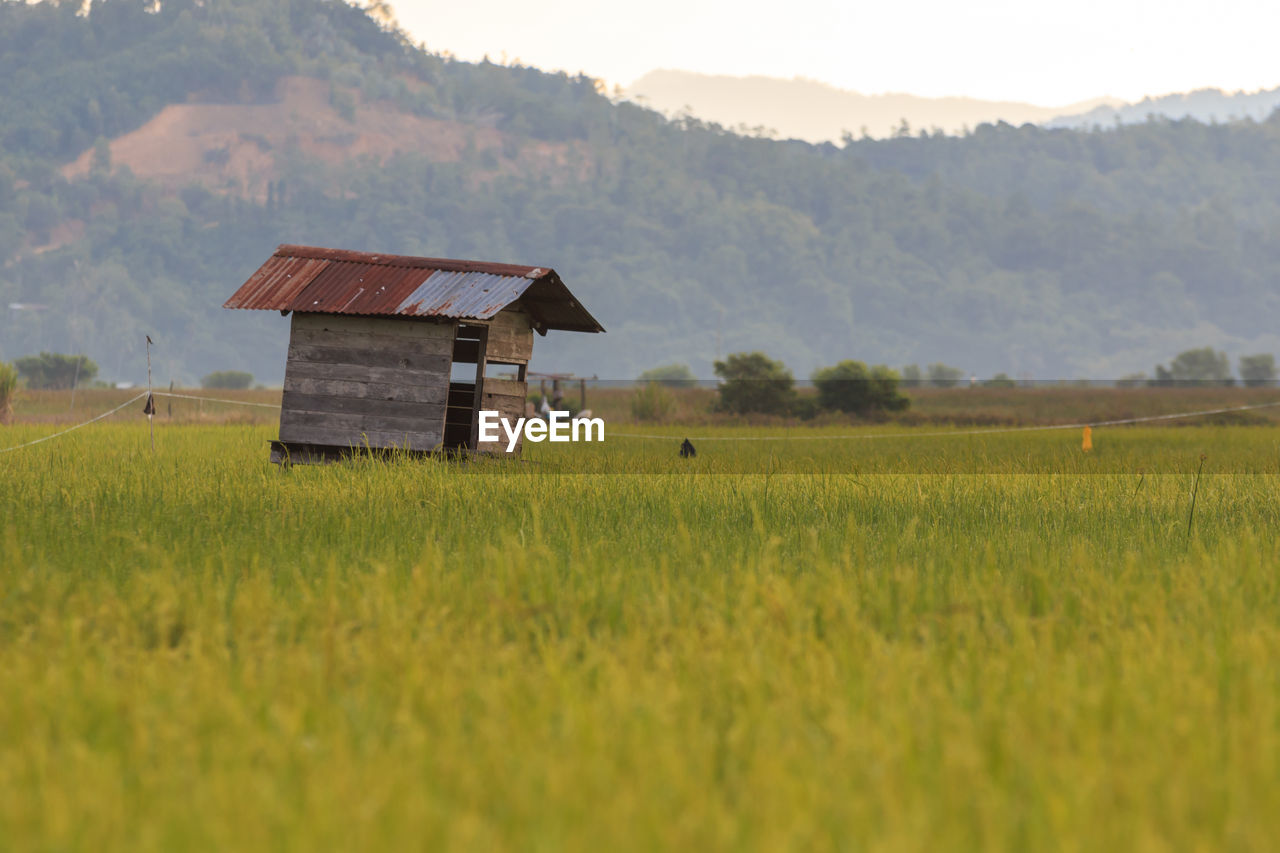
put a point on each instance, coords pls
(805, 407)
(942, 376)
(1258, 369)
(228, 380)
(1195, 366)
(52, 370)
(851, 387)
(672, 375)
(1000, 380)
(8, 391)
(753, 382)
(652, 403)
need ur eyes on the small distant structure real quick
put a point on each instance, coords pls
(396, 352)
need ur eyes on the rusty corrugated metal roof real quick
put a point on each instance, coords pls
(309, 279)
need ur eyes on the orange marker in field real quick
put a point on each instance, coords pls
(1087, 444)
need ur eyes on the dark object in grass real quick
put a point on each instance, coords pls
(1194, 491)
(687, 451)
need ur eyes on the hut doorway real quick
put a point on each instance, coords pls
(466, 385)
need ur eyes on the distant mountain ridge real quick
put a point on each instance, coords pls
(1204, 105)
(818, 112)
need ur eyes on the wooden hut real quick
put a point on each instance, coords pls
(389, 351)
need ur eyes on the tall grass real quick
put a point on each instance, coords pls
(652, 403)
(200, 650)
(8, 391)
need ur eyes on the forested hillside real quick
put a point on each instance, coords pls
(1051, 253)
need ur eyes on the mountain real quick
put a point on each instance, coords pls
(1204, 105)
(817, 112)
(152, 156)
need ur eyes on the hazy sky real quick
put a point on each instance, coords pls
(1048, 53)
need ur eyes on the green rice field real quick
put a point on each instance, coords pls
(964, 642)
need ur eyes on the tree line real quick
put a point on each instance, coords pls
(754, 383)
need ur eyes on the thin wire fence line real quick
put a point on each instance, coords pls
(649, 436)
(128, 402)
(76, 427)
(216, 400)
(950, 433)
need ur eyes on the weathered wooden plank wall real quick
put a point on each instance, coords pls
(510, 337)
(356, 380)
(507, 397)
(510, 341)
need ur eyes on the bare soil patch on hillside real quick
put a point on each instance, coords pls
(239, 148)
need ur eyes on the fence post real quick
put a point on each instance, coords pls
(151, 405)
